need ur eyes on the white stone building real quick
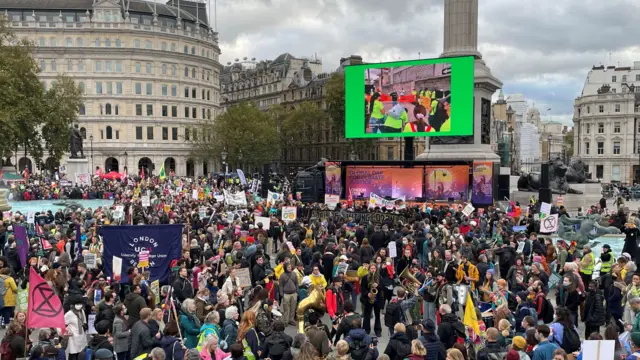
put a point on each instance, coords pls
(606, 132)
(149, 72)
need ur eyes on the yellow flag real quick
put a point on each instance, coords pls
(470, 318)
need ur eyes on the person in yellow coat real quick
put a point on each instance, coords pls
(467, 273)
(10, 297)
(317, 278)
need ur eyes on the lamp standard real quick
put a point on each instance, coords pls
(223, 156)
(549, 147)
(126, 160)
(91, 141)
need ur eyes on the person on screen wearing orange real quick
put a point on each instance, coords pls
(420, 122)
(377, 111)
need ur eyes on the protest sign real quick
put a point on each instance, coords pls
(289, 213)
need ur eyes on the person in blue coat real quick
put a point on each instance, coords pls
(189, 324)
(171, 343)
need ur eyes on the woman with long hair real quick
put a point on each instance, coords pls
(611, 333)
(568, 297)
(247, 333)
(307, 352)
(563, 323)
(489, 286)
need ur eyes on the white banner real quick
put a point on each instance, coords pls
(243, 179)
(468, 210)
(289, 213)
(549, 224)
(378, 201)
(83, 179)
(264, 220)
(331, 200)
(274, 197)
(235, 199)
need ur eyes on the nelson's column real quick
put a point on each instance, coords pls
(461, 39)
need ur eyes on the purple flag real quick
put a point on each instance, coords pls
(22, 243)
(78, 240)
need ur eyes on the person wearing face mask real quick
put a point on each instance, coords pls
(568, 297)
(593, 314)
(76, 327)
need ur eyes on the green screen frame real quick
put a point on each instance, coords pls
(462, 85)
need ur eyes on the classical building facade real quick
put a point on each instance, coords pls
(289, 81)
(149, 72)
(607, 130)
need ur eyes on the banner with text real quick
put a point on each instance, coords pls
(163, 242)
(384, 181)
(358, 217)
(332, 178)
(235, 199)
(380, 202)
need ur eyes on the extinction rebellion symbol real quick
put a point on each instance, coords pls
(41, 304)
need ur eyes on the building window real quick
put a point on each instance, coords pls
(203, 92)
(186, 112)
(79, 42)
(52, 42)
(43, 42)
(97, 43)
(149, 109)
(389, 152)
(43, 65)
(174, 111)
(600, 108)
(193, 73)
(174, 70)
(194, 113)
(119, 88)
(109, 132)
(148, 68)
(165, 90)
(165, 133)
(186, 132)
(138, 67)
(617, 108)
(138, 87)
(174, 90)
(193, 93)
(600, 148)
(616, 148)
(139, 110)
(186, 49)
(588, 128)
(118, 43)
(80, 65)
(616, 128)
(107, 43)
(82, 110)
(208, 94)
(174, 133)
(203, 113)
(117, 112)
(108, 112)
(163, 46)
(69, 42)
(54, 67)
(186, 92)
(186, 72)
(98, 66)
(148, 45)
(614, 78)
(82, 87)
(118, 66)
(587, 145)
(599, 171)
(164, 69)
(107, 66)
(98, 87)
(149, 88)
(600, 128)
(136, 43)
(193, 50)
(588, 109)
(138, 132)
(165, 111)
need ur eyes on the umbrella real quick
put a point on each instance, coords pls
(113, 175)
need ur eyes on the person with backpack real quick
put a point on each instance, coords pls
(8, 295)
(543, 305)
(565, 334)
(346, 324)
(593, 314)
(45, 349)
(278, 342)
(171, 343)
(361, 345)
(399, 346)
(492, 350)
(431, 342)
(99, 341)
(396, 310)
(524, 308)
(450, 329)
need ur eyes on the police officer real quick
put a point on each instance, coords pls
(606, 260)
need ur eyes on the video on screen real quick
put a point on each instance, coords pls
(408, 99)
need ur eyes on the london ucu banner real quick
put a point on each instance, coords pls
(163, 242)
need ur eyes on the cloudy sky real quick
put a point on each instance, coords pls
(541, 48)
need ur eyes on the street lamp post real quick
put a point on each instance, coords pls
(91, 141)
(224, 155)
(126, 161)
(549, 147)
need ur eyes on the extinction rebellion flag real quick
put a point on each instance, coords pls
(44, 306)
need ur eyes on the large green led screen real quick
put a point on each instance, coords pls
(410, 98)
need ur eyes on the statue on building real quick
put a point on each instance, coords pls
(76, 143)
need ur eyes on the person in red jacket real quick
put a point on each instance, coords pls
(335, 299)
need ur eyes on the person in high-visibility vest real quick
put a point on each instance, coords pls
(587, 263)
(607, 260)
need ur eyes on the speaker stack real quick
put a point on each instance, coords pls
(544, 195)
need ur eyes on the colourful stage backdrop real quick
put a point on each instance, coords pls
(384, 181)
(333, 178)
(444, 182)
(482, 191)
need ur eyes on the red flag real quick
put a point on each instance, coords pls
(44, 307)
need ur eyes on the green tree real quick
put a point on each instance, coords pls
(568, 143)
(335, 100)
(246, 133)
(31, 117)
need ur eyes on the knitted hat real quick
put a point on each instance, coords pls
(502, 282)
(513, 355)
(537, 259)
(519, 342)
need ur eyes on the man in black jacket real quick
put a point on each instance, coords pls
(492, 346)
(182, 288)
(450, 328)
(258, 272)
(431, 342)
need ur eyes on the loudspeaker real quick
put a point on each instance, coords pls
(504, 186)
(408, 149)
(544, 176)
(544, 195)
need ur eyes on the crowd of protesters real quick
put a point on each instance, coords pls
(405, 280)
